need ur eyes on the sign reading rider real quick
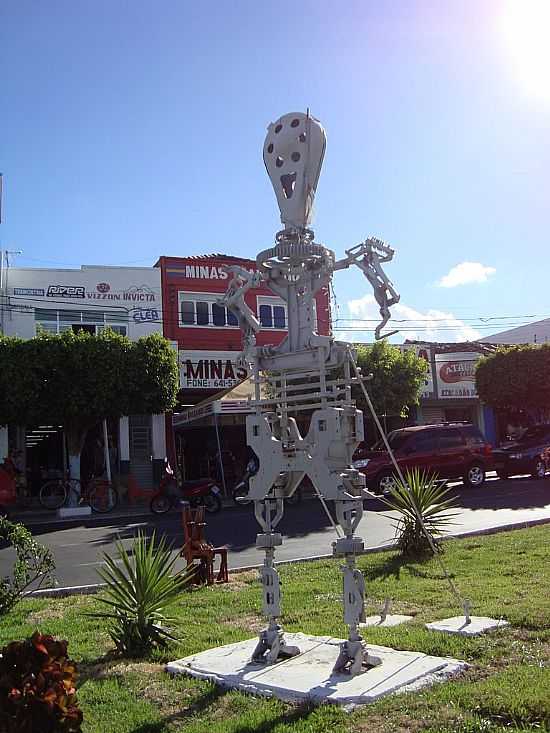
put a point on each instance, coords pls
(65, 291)
(210, 369)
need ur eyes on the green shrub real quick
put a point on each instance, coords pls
(34, 564)
(37, 687)
(139, 593)
(425, 496)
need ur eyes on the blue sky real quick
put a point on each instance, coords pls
(134, 129)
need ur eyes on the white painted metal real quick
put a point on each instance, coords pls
(293, 155)
(303, 374)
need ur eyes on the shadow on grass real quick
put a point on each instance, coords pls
(290, 717)
(392, 567)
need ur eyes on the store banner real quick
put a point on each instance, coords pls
(424, 352)
(210, 369)
(455, 373)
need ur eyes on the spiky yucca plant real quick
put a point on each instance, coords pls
(433, 503)
(139, 593)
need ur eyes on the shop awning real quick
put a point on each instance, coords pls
(233, 401)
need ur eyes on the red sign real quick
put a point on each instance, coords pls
(457, 371)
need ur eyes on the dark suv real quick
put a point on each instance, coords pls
(449, 450)
(525, 454)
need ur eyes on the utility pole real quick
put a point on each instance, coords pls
(4, 265)
(1, 264)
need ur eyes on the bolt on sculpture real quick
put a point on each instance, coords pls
(306, 373)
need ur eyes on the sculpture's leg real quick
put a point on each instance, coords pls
(271, 645)
(354, 657)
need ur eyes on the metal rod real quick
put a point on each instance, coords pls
(106, 451)
(220, 453)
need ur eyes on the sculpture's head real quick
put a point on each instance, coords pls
(293, 155)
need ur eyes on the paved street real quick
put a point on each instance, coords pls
(306, 528)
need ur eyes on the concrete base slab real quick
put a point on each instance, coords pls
(309, 677)
(457, 625)
(392, 619)
(74, 511)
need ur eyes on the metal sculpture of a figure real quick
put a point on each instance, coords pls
(375, 253)
(308, 374)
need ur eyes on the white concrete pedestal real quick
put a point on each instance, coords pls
(392, 619)
(309, 677)
(457, 625)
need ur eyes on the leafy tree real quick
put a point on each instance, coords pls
(397, 378)
(515, 377)
(78, 379)
(33, 564)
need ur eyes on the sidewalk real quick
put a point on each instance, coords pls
(37, 515)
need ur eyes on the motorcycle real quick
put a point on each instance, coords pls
(202, 492)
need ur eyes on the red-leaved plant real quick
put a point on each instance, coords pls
(37, 687)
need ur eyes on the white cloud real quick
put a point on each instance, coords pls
(465, 273)
(433, 325)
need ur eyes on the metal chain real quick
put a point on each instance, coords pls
(465, 603)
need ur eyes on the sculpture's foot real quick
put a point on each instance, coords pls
(272, 647)
(354, 659)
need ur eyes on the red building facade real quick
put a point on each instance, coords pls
(209, 341)
(207, 335)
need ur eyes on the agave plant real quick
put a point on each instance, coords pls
(422, 495)
(139, 593)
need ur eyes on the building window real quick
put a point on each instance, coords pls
(201, 309)
(272, 312)
(57, 321)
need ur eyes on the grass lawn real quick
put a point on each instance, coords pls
(507, 687)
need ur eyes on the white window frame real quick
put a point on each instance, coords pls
(104, 319)
(191, 296)
(272, 300)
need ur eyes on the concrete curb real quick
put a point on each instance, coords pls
(95, 587)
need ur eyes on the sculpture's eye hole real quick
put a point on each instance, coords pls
(278, 128)
(279, 161)
(295, 157)
(270, 148)
(295, 122)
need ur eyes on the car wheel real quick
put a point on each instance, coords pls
(539, 469)
(474, 476)
(385, 483)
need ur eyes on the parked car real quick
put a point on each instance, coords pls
(449, 450)
(524, 455)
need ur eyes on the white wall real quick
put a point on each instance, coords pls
(132, 292)
(159, 437)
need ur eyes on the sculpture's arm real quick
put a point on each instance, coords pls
(368, 257)
(240, 283)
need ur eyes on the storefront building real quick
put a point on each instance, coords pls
(126, 299)
(209, 342)
(449, 393)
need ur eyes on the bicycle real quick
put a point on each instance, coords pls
(98, 493)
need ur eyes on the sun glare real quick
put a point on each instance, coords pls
(526, 30)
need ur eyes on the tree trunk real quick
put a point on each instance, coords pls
(75, 435)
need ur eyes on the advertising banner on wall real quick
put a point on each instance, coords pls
(424, 352)
(210, 369)
(455, 373)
